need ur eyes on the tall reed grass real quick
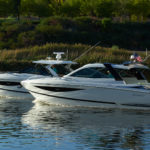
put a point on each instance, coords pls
(12, 59)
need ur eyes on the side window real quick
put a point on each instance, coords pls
(90, 73)
(125, 73)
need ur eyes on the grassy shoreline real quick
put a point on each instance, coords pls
(12, 60)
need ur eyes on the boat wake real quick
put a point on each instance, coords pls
(102, 107)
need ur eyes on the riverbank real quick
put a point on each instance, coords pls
(12, 60)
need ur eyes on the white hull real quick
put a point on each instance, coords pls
(95, 97)
(10, 86)
(17, 92)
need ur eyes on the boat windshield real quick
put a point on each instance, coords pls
(61, 69)
(125, 73)
(37, 69)
(139, 73)
(93, 72)
(134, 75)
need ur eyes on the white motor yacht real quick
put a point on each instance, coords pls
(98, 85)
(10, 85)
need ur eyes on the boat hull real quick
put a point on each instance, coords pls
(17, 92)
(93, 96)
(10, 85)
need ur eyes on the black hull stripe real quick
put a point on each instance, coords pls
(14, 91)
(9, 83)
(58, 89)
(74, 99)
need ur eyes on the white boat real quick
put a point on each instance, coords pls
(96, 85)
(10, 85)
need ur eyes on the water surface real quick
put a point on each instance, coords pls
(25, 125)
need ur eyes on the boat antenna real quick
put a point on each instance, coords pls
(67, 54)
(87, 51)
(147, 56)
(146, 52)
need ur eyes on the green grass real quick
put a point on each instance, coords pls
(16, 59)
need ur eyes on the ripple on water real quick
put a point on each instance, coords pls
(24, 125)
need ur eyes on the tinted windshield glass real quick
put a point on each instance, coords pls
(146, 73)
(138, 73)
(125, 73)
(37, 69)
(93, 73)
(61, 69)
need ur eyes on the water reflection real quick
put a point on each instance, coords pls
(10, 106)
(11, 129)
(24, 125)
(85, 128)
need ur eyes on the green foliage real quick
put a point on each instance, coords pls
(28, 7)
(106, 22)
(141, 8)
(122, 9)
(35, 8)
(10, 8)
(86, 30)
(84, 23)
(87, 7)
(115, 47)
(26, 39)
(104, 8)
(13, 65)
(16, 8)
(3, 5)
(71, 8)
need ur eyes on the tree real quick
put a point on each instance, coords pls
(40, 8)
(123, 9)
(71, 8)
(5, 8)
(15, 7)
(104, 8)
(88, 7)
(27, 7)
(17, 4)
(141, 8)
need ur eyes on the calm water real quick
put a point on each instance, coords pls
(33, 126)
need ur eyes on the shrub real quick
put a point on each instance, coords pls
(106, 22)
